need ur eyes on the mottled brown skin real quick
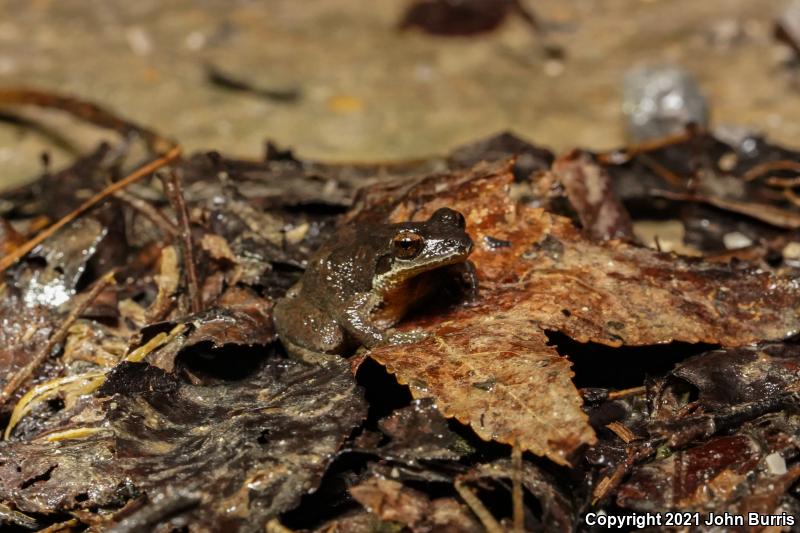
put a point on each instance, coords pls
(363, 280)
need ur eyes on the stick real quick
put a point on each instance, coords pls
(172, 187)
(620, 157)
(489, 522)
(613, 395)
(87, 111)
(770, 166)
(159, 220)
(516, 489)
(136, 175)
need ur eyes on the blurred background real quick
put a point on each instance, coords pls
(340, 80)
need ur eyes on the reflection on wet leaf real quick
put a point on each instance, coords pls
(248, 449)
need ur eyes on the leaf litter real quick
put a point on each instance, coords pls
(164, 400)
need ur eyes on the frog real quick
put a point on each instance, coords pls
(360, 283)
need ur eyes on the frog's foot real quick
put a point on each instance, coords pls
(311, 357)
(395, 338)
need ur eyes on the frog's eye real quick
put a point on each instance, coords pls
(407, 245)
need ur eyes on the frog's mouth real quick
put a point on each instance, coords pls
(434, 290)
(401, 271)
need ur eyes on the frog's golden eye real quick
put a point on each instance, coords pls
(407, 245)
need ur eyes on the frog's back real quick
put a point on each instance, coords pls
(343, 267)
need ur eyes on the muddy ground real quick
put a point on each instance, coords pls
(369, 92)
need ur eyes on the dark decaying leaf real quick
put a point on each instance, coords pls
(419, 431)
(392, 501)
(24, 331)
(748, 374)
(489, 365)
(247, 449)
(555, 506)
(34, 291)
(589, 189)
(738, 177)
(740, 473)
(528, 158)
(463, 17)
(730, 447)
(240, 318)
(681, 480)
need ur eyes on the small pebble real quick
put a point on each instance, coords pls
(659, 101)
(775, 464)
(139, 41)
(736, 240)
(791, 251)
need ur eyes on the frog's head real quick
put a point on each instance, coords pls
(418, 247)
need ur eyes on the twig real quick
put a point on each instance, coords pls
(172, 188)
(516, 488)
(155, 216)
(792, 197)
(136, 175)
(619, 157)
(662, 171)
(762, 168)
(60, 526)
(776, 181)
(26, 371)
(781, 218)
(489, 522)
(622, 431)
(87, 111)
(615, 395)
(222, 79)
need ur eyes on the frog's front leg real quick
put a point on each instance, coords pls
(361, 328)
(469, 275)
(467, 278)
(358, 323)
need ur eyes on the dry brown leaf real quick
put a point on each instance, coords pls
(489, 365)
(508, 384)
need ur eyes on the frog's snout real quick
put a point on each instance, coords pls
(462, 246)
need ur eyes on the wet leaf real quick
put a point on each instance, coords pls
(589, 189)
(65, 257)
(681, 481)
(734, 473)
(748, 374)
(489, 365)
(35, 290)
(555, 508)
(247, 450)
(420, 432)
(240, 318)
(391, 501)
